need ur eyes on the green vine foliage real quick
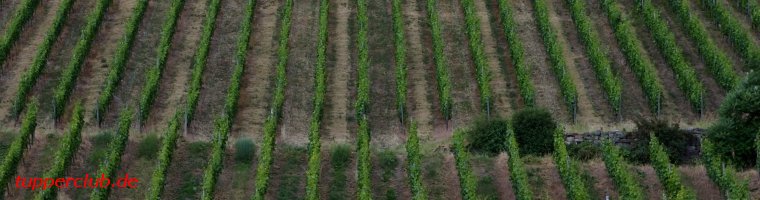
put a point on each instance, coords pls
(116, 148)
(15, 152)
(320, 86)
(619, 171)
(22, 14)
(66, 152)
(441, 69)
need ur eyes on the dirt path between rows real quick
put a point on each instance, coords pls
(7, 9)
(386, 127)
(175, 79)
(696, 179)
(500, 95)
(22, 55)
(299, 93)
(648, 181)
(594, 110)
(420, 104)
(255, 87)
(545, 171)
(439, 176)
(502, 177)
(337, 104)
(603, 184)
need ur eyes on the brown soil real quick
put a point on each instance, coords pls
(338, 105)
(137, 167)
(649, 182)
(499, 87)
(21, 56)
(547, 93)
(439, 176)
(696, 179)
(175, 78)
(33, 163)
(634, 103)
(594, 109)
(219, 67)
(546, 170)
(185, 173)
(236, 179)
(299, 91)
(256, 85)
(420, 78)
(7, 8)
(285, 174)
(741, 15)
(501, 176)
(604, 186)
(717, 36)
(464, 90)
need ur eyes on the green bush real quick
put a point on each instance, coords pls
(488, 136)
(148, 147)
(675, 141)
(534, 129)
(584, 151)
(388, 163)
(739, 122)
(245, 150)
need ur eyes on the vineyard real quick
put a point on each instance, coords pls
(362, 99)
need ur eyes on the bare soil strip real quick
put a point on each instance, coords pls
(422, 94)
(176, 76)
(339, 70)
(21, 56)
(219, 66)
(696, 179)
(464, 90)
(594, 111)
(502, 177)
(674, 105)
(648, 181)
(142, 57)
(604, 186)
(386, 127)
(96, 66)
(302, 60)
(716, 35)
(545, 179)
(546, 85)
(634, 103)
(439, 176)
(255, 87)
(502, 105)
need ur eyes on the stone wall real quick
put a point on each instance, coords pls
(617, 137)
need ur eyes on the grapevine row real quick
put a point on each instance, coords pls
(517, 173)
(320, 87)
(723, 176)
(65, 154)
(618, 169)
(666, 172)
(467, 182)
(199, 61)
(685, 75)
(120, 58)
(441, 69)
(20, 17)
(715, 59)
(414, 166)
(362, 105)
(29, 78)
(158, 179)
(224, 124)
(400, 44)
(731, 28)
(600, 61)
(270, 125)
(150, 89)
(568, 169)
(16, 150)
(116, 148)
(557, 58)
(516, 49)
(71, 72)
(472, 26)
(752, 9)
(631, 48)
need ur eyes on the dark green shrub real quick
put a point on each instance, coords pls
(675, 141)
(739, 123)
(534, 130)
(488, 136)
(245, 150)
(584, 151)
(148, 147)
(388, 164)
(101, 139)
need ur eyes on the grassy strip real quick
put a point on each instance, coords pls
(441, 69)
(65, 154)
(320, 87)
(29, 78)
(150, 89)
(16, 151)
(364, 190)
(158, 179)
(270, 125)
(722, 175)
(71, 72)
(517, 173)
(631, 48)
(340, 159)
(568, 169)
(600, 61)
(666, 172)
(714, 57)
(467, 182)
(472, 26)
(618, 170)
(223, 125)
(554, 49)
(401, 68)
(116, 149)
(119, 62)
(199, 62)
(20, 17)
(731, 28)
(752, 10)
(686, 76)
(414, 166)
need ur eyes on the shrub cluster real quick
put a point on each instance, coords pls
(534, 130)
